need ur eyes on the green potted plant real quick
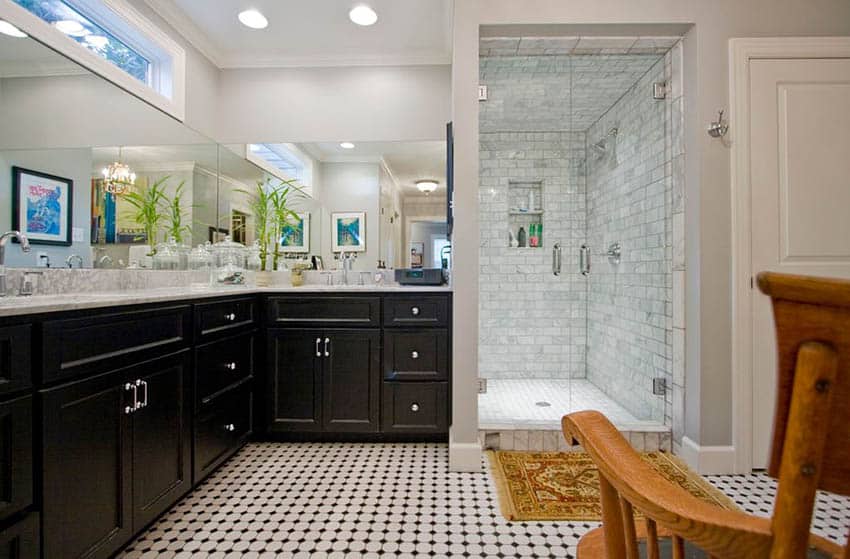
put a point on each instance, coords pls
(175, 213)
(147, 204)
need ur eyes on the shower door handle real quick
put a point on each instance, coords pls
(584, 260)
(556, 259)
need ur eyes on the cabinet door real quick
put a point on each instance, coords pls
(294, 364)
(351, 380)
(87, 469)
(15, 456)
(162, 446)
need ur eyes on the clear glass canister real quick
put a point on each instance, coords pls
(229, 259)
(166, 257)
(254, 263)
(200, 265)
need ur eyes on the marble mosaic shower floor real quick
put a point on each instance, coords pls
(512, 404)
(347, 500)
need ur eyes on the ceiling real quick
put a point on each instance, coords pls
(408, 162)
(313, 33)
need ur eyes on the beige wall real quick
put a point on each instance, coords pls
(708, 211)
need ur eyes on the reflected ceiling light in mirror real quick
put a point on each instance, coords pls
(7, 28)
(71, 27)
(363, 15)
(253, 19)
(346, 145)
(118, 176)
(427, 186)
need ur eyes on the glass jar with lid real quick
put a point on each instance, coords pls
(200, 266)
(166, 257)
(229, 262)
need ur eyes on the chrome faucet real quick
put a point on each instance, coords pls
(70, 260)
(104, 261)
(4, 238)
(346, 259)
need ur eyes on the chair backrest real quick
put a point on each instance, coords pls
(810, 445)
(809, 311)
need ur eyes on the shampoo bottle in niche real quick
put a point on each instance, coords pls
(522, 238)
(532, 235)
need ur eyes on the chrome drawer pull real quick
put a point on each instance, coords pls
(318, 351)
(327, 351)
(143, 384)
(414, 407)
(414, 311)
(231, 317)
(230, 427)
(130, 409)
(414, 354)
(230, 366)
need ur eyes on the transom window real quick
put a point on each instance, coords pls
(282, 160)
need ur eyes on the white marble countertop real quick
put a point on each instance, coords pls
(36, 304)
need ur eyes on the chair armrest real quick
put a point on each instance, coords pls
(668, 504)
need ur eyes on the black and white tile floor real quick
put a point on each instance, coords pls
(365, 500)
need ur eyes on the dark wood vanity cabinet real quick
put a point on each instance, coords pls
(116, 454)
(324, 380)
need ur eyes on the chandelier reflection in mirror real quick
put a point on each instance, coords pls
(118, 176)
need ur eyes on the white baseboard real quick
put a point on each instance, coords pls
(464, 457)
(707, 460)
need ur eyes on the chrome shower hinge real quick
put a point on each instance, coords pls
(659, 386)
(482, 386)
(659, 90)
(482, 92)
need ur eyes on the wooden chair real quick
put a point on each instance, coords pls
(810, 450)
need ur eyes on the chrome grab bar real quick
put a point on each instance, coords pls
(584, 260)
(556, 259)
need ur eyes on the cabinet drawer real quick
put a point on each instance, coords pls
(106, 341)
(416, 355)
(222, 364)
(415, 407)
(427, 310)
(15, 364)
(324, 311)
(224, 316)
(20, 540)
(15, 456)
(222, 429)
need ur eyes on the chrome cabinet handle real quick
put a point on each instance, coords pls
(327, 351)
(414, 407)
(318, 351)
(414, 354)
(143, 384)
(556, 259)
(584, 260)
(230, 366)
(130, 409)
(230, 427)
(230, 316)
(414, 311)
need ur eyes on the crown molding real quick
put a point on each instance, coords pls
(254, 61)
(177, 18)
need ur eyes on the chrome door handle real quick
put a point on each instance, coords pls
(584, 260)
(130, 409)
(143, 384)
(556, 259)
(318, 351)
(327, 351)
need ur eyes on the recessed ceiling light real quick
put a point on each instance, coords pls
(427, 186)
(346, 145)
(7, 28)
(253, 19)
(71, 27)
(363, 15)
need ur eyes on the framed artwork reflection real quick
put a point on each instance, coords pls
(348, 230)
(42, 206)
(295, 236)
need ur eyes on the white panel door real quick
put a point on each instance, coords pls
(800, 165)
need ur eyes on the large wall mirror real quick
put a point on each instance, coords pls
(83, 164)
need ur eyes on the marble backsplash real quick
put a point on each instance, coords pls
(59, 281)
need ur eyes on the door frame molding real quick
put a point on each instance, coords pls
(741, 53)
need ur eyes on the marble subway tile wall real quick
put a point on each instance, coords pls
(531, 323)
(628, 197)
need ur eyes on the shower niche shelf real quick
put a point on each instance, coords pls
(525, 207)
